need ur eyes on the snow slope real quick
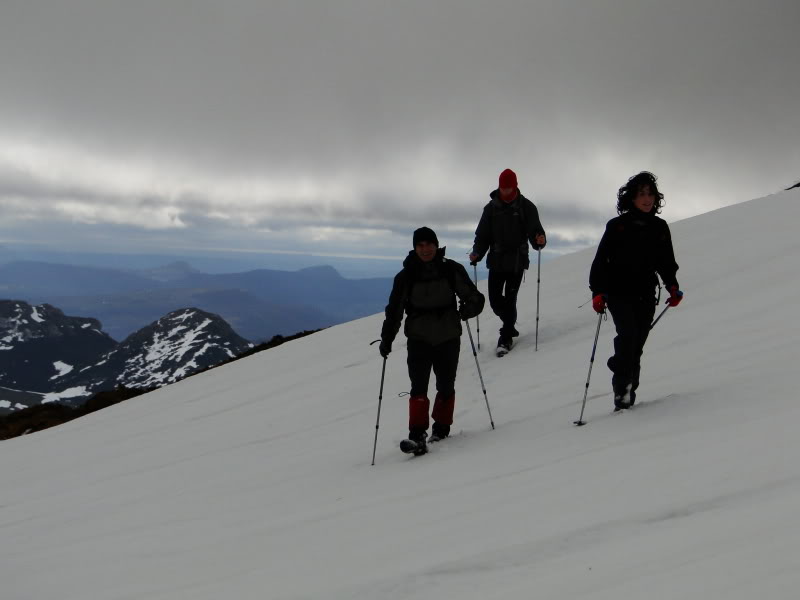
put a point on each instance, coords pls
(253, 480)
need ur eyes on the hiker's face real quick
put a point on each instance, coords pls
(508, 194)
(645, 199)
(426, 251)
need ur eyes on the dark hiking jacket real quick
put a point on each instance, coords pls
(427, 293)
(634, 247)
(505, 229)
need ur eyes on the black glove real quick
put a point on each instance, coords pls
(465, 313)
(385, 348)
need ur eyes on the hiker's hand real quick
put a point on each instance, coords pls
(599, 303)
(675, 296)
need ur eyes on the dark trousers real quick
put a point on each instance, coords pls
(503, 290)
(443, 359)
(632, 318)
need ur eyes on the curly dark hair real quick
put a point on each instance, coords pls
(628, 192)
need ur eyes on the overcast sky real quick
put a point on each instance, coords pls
(339, 126)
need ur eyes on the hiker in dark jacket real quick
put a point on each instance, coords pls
(427, 290)
(635, 247)
(508, 224)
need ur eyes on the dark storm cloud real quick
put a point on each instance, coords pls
(341, 120)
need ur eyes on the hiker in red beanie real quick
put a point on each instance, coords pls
(509, 222)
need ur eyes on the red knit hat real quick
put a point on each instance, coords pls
(508, 179)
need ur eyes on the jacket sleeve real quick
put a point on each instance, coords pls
(666, 265)
(599, 274)
(483, 234)
(534, 225)
(472, 300)
(395, 308)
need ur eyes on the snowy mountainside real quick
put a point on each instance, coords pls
(39, 344)
(179, 344)
(270, 494)
(47, 357)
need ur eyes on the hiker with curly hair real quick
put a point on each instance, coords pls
(635, 248)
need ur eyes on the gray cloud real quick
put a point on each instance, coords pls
(328, 125)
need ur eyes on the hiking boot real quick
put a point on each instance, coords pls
(413, 447)
(504, 345)
(622, 399)
(439, 432)
(415, 444)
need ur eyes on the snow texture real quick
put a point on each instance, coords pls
(35, 315)
(253, 480)
(16, 405)
(73, 392)
(61, 368)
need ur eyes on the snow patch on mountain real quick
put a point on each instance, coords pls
(35, 315)
(62, 369)
(8, 405)
(74, 392)
(13, 323)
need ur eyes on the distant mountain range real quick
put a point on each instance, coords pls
(47, 356)
(258, 304)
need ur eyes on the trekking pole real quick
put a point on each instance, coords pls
(483, 387)
(380, 398)
(477, 317)
(580, 420)
(538, 285)
(653, 324)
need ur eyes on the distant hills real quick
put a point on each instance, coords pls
(258, 304)
(47, 356)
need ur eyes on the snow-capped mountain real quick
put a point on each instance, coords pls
(39, 345)
(46, 356)
(177, 345)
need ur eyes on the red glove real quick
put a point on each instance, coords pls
(675, 296)
(599, 303)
